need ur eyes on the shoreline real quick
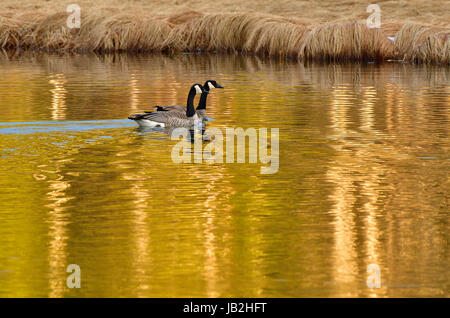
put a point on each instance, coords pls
(255, 33)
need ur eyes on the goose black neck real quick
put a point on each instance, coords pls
(190, 110)
(202, 102)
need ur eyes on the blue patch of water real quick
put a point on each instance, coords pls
(61, 126)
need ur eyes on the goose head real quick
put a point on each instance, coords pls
(197, 89)
(209, 84)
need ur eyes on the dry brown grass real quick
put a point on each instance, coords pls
(99, 32)
(423, 44)
(304, 30)
(122, 32)
(274, 37)
(348, 41)
(246, 32)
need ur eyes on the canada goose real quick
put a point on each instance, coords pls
(171, 118)
(201, 108)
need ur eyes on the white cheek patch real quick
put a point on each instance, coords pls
(210, 85)
(198, 89)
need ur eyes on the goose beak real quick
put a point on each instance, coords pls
(219, 86)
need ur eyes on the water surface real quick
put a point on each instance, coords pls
(363, 179)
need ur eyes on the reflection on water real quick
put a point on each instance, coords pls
(58, 96)
(363, 179)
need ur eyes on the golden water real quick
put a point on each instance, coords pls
(363, 179)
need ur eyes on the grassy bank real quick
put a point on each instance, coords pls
(319, 30)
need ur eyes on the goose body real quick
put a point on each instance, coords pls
(201, 108)
(171, 118)
(164, 119)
